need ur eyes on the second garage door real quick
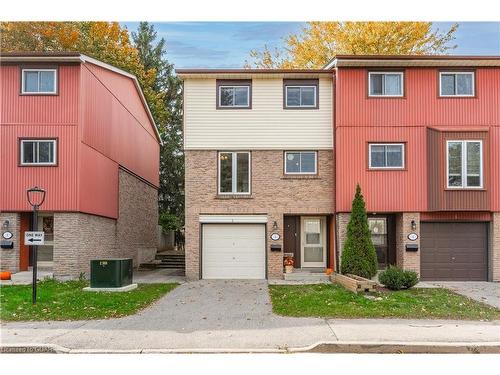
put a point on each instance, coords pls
(233, 251)
(454, 251)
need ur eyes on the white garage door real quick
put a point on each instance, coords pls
(233, 251)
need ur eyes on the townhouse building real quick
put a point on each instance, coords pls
(259, 171)
(421, 135)
(81, 130)
(273, 158)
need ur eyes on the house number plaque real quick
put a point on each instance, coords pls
(275, 236)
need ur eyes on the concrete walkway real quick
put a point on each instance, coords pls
(481, 291)
(235, 315)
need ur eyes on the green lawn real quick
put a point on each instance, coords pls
(333, 301)
(67, 301)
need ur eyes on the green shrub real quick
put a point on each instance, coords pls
(169, 221)
(395, 278)
(359, 256)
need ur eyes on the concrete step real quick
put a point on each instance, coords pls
(307, 277)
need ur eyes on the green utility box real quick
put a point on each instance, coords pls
(110, 273)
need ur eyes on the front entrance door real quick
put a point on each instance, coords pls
(378, 230)
(291, 238)
(313, 242)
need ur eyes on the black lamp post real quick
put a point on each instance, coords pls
(36, 196)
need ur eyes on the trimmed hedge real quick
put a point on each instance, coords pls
(395, 278)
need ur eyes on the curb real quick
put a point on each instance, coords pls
(320, 347)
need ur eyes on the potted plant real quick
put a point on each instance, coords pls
(288, 262)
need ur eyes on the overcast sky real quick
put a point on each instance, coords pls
(226, 44)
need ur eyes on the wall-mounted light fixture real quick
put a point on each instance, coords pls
(275, 225)
(413, 225)
(5, 224)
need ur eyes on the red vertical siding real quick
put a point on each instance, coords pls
(109, 128)
(31, 116)
(39, 109)
(360, 119)
(384, 190)
(98, 183)
(421, 105)
(60, 182)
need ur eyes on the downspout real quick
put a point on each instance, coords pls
(334, 85)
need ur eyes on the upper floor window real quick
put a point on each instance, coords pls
(456, 83)
(464, 164)
(301, 162)
(386, 156)
(300, 93)
(39, 81)
(38, 152)
(234, 172)
(234, 93)
(385, 83)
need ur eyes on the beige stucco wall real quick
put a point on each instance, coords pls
(265, 126)
(273, 194)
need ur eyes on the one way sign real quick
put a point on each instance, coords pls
(34, 238)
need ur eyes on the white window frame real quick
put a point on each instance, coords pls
(464, 164)
(233, 87)
(234, 173)
(401, 74)
(53, 141)
(300, 162)
(456, 73)
(300, 87)
(386, 144)
(38, 92)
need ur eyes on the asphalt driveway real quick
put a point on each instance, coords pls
(234, 315)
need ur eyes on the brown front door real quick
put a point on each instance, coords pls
(454, 251)
(24, 251)
(383, 232)
(291, 238)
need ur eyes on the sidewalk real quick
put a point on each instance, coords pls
(300, 334)
(230, 316)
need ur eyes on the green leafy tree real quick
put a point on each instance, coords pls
(359, 256)
(152, 55)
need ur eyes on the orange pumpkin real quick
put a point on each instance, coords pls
(329, 271)
(5, 275)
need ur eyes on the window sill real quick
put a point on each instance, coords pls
(300, 177)
(386, 169)
(233, 196)
(465, 189)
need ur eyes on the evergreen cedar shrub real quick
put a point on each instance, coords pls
(395, 278)
(359, 256)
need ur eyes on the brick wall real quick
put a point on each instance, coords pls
(80, 237)
(342, 222)
(272, 194)
(9, 258)
(137, 232)
(407, 260)
(495, 247)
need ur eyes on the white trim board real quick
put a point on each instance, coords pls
(250, 219)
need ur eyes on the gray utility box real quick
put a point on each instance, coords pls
(110, 273)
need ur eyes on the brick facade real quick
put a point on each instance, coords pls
(272, 193)
(495, 247)
(404, 259)
(408, 260)
(136, 227)
(80, 237)
(9, 258)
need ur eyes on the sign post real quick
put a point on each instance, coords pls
(35, 238)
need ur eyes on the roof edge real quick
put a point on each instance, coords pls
(81, 58)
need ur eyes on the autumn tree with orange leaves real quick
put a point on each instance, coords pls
(319, 42)
(105, 41)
